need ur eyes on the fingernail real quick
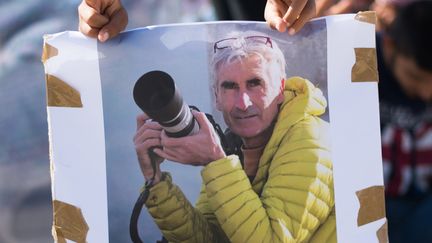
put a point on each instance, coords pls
(291, 31)
(103, 36)
(281, 26)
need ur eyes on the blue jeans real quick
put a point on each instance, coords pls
(409, 221)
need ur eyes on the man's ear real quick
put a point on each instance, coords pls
(280, 98)
(282, 85)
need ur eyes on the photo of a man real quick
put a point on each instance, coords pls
(278, 185)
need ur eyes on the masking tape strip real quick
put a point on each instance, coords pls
(366, 16)
(48, 52)
(382, 233)
(365, 68)
(69, 223)
(59, 93)
(372, 205)
(58, 236)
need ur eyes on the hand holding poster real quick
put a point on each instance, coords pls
(300, 112)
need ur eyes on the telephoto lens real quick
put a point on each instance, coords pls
(156, 94)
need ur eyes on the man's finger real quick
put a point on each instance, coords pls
(277, 23)
(141, 119)
(153, 126)
(149, 143)
(169, 141)
(163, 154)
(87, 29)
(294, 11)
(146, 134)
(172, 155)
(96, 4)
(202, 120)
(92, 17)
(273, 15)
(298, 24)
(309, 12)
(117, 23)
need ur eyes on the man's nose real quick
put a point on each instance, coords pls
(243, 101)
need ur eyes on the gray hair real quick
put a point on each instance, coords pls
(241, 48)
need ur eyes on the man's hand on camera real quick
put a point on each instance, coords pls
(291, 14)
(198, 149)
(103, 19)
(148, 136)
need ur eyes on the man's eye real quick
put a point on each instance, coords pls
(254, 82)
(228, 85)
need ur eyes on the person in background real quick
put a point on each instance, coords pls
(104, 19)
(332, 7)
(405, 91)
(386, 11)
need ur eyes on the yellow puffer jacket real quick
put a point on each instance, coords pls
(291, 198)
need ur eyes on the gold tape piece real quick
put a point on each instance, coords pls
(69, 223)
(372, 205)
(382, 233)
(365, 68)
(366, 16)
(58, 236)
(59, 93)
(48, 52)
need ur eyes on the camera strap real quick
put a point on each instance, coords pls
(228, 147)
(133, 225)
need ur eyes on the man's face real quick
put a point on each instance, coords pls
(247, 96)
(415, 81)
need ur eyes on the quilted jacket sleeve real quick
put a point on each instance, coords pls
(296, 199)
(178, 220)
(294, 203)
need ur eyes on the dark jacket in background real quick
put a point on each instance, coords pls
(240, 9)
(406, 130)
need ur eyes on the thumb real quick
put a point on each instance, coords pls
(202, 120)
(117, 23)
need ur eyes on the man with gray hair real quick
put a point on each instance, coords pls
(279, 185)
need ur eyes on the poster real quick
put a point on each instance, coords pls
(92, 117)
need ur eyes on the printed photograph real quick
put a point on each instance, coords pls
(222, 130)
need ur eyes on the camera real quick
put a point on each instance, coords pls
(156, 94)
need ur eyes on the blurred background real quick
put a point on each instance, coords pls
(25, 186)
(25, 190)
